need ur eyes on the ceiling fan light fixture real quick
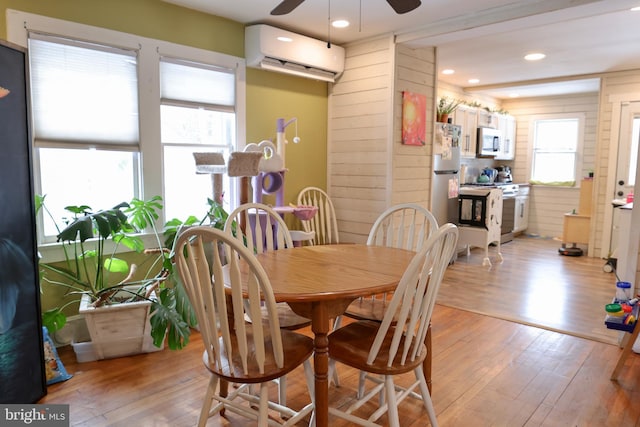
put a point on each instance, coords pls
(285, 7)
(400, 6)
(404, 6)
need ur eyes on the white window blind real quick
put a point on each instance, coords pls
(197, 115)
(83, 92)
(197, 83)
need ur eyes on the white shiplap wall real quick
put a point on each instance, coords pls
(368, 168)
(412, 165)
(547, 205)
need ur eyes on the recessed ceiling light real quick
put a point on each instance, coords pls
(340, 23)
(635, 9)
(448, 71)
(534, 56)
(285, 39)
(474, 81)
(513, 95)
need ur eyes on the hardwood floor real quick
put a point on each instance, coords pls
(486, 371)
(534, 285)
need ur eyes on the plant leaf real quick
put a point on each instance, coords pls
(80, 228)
(116, 265)
(183, 305)
(39, 202)
(54, 319)
(142, 212)
(132, 242)
(82, 209)
(166, 321)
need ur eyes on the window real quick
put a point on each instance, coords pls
(633, 158)
(556, 146)
(85, 123)
(117, 115)
(197, 113)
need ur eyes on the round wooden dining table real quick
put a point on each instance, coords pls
(319, 282)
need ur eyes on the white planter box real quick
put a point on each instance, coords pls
(115, 330)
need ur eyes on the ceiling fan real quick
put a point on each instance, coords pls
(400, 6)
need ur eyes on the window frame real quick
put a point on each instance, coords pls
(577, 173)
(150, 52)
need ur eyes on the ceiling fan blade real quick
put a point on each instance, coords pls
(286, 6)
(404, 6)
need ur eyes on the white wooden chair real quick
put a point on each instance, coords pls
(395, 346)
(405, 226)
(236, 351)
(260, 228)
(265, 230)
(323, 223)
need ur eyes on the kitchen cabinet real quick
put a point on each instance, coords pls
(487, 119)
(467, 119)
(521, 220)
(507, 127)
(521, 211)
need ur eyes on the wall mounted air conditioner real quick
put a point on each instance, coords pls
(274, 49)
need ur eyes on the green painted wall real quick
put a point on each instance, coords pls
(269, 95)
(149, 18)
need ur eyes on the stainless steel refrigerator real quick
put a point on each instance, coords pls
(446, 173)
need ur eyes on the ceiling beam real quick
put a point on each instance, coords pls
(460, 27)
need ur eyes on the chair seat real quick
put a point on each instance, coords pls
(287, 318)
(351, 345)
(368, 308)
(299, 348)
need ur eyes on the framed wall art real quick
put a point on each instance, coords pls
(414, 117)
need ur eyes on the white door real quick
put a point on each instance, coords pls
(627, 160)
(628, 149)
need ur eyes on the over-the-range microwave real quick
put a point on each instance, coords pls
(488, 142)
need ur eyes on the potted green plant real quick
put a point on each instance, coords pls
(445, 107)
(173, 303)
(93, 270)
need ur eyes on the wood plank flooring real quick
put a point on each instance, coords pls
(534, 285)
(487, 371)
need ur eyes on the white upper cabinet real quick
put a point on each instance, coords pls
(507, 127)
(467, 118)
(471, 118)
(487, 119)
